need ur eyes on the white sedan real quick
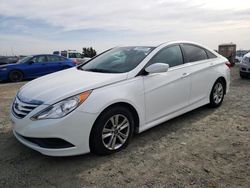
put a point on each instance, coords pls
(98, 106)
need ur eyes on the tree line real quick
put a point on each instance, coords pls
(89, 52)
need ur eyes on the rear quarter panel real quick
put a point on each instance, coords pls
(222, 70)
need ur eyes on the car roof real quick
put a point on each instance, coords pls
(48, 55)
(247, 55)
(45, 54)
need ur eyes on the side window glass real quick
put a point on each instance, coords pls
(169, 55)
(72, 55)
(33, 59)
(62, 59)
(39, 59)
(53, 58)
(194, 53)
(210, 55)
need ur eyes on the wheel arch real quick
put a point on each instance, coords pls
(16, 69)
(129, 107)
(224, 83)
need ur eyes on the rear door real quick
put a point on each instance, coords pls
(201, 64)
(55, 63)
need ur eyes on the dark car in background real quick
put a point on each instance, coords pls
(33, 67)
(8, 59)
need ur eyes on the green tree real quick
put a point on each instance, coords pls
(89, 52)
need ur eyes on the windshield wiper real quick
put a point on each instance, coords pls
(98, 70)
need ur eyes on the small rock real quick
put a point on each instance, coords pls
(242, 128)
(206, 170)
(192, 183)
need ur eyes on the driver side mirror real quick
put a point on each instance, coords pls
(157, 68)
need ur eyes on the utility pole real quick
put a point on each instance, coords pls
(12, 51)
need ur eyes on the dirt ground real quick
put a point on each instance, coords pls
(202, 148)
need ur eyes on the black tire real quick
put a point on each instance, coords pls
(217, 101)
(98, 144)
(15, 76)
(242, 75)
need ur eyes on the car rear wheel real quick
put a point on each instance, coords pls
(217, 93)
(15, 76)
(112, 131)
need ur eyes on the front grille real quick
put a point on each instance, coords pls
(244, 69)
(21, 109)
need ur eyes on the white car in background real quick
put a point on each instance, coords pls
(77, 57)
(244, 66)
(98, 106)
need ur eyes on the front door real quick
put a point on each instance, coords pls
(168, 92)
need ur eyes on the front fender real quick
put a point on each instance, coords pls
(129, 91)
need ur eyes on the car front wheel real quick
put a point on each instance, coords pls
(112, 131)
(16, 76)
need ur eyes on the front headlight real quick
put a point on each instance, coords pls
(62, 108)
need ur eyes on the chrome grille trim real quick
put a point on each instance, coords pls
(21, 109)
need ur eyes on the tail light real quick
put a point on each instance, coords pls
(75, 61)
(228, 64)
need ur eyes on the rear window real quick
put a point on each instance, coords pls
(194, 53)
(210, 55)
(74, 55)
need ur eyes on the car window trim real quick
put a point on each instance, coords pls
(211, 53)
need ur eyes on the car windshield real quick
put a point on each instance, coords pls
(75, 55)
(25, 59)
(117, 60)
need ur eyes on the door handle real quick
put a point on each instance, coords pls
(185, 74)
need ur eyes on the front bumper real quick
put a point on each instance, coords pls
(242, 73)
(74, 128)
(3, 75)
(245, 68)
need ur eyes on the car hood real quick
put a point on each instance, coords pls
(7, 65)
(60, 85)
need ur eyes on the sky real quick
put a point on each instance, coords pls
(32, 26)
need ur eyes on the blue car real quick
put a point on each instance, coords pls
(33, 67)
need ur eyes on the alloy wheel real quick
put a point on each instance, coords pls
(218, 93)
(115, 132)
